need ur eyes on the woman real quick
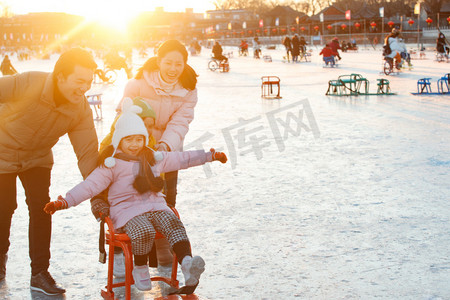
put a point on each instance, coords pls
(441, 44)
(168, 84)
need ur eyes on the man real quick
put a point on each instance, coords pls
(36, 109)
(217, 52)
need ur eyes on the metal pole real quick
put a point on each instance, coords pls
(365, 35)
(418, 31)
(349, 31)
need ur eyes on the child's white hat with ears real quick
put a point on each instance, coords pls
(129, 123)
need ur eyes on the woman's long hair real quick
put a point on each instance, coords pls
(188, 78)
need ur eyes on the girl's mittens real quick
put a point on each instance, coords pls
(220, 156)
(53, 206)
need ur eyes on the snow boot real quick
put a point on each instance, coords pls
(141, 276)
(119, 265)
(192, 268)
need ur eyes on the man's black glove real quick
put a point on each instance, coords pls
(100, 208)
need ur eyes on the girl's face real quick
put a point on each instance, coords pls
(171, 66)
(132, 144)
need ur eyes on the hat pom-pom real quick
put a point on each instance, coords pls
(158, 155)
(110, 162)
(128, 106)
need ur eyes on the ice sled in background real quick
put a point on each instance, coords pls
(424, 86)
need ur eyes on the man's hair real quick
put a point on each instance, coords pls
(74, 57)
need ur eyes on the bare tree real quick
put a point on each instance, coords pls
(5, 10)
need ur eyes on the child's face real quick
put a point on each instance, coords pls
(149, 123)
(132, 144)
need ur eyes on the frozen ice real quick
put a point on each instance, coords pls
(356, 207)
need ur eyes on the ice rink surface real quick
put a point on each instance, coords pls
(323, 197)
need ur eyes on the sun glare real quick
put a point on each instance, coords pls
(113, 17)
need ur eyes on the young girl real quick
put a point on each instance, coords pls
(131, 171)
(168, 85)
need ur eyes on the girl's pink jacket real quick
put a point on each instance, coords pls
(174, 110)
(125, 202)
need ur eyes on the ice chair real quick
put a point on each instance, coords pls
(383, 86)
(268, 82)
(424, 86)
(114, 239)
(443, 84)
(96, 101)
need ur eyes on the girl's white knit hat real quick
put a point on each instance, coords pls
(129, 123)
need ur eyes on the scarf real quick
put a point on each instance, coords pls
(163, 88)
(145, 180)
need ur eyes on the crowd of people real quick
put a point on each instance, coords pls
(295, 47)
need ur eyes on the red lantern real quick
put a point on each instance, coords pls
(343, 26)
(448, 20)
(258, 31)
(357, 25)
(302, 28)
(274, 30)
(292, 29)
(242, 32)
(265, 30)
(329, 27)
(250, 32)
(429, 21)
(390, 23)
(283, 29)
(411, 22)
(373, 24)
(316, 27)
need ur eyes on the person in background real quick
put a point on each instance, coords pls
(441, 44)
(243, 48)
(328, 55)
(288, 46)
(302, 44)
(256, 47)
(6, 67)
(334, 45)
(295, 48)
(217, 52)
(36, 109)
(397, 48)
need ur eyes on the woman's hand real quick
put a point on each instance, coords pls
(162, 147)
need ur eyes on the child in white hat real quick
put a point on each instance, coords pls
(131, 171)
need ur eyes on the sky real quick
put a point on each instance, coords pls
(111, 12)
(89, 7)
